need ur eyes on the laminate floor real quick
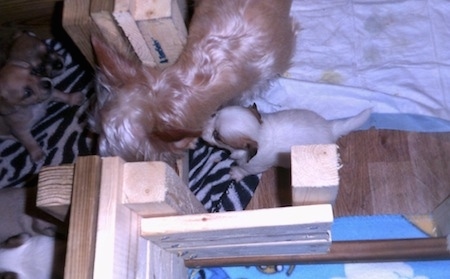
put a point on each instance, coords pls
(384, 172)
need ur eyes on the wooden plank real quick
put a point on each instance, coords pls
(154, 189)
(265, 231)
(162, 264)
(346, 251)
(116, 245)
(55, 190)
(155, 29)
(79, 26)
(315, 177)
(101, 14)
(144, 9)
(83, 218)
(120, 251)
(130, 28)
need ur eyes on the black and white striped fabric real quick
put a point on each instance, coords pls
(209, 180)
(64, 135)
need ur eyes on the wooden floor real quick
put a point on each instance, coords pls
(384, 172)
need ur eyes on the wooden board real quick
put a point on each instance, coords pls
(288, 230)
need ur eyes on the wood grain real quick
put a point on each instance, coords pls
(83, 218)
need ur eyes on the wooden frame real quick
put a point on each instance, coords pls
(139, 220)
(153, 34)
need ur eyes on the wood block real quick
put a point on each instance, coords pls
(287, 230)
(79, 25)
(154, 189)
(155, 29)
(441, 217)
(113, 35)
(129, 27)
(55, 190)
(315, 177)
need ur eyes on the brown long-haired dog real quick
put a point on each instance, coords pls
(234, 47)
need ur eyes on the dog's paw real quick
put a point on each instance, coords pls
(76, 98)
(237, 173)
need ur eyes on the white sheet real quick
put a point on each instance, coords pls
(393, 56)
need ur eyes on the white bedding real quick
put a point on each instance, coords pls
(393, 56)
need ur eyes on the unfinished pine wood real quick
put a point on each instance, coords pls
(116, 235)
(79, 25)
(55, 190)
(83, 218)
(129, 27)
(112, 34)
(120, 251)
(154, 189)
(156, 30)
(288, 230)
(315, 176)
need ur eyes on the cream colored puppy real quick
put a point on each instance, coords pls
(259, 141)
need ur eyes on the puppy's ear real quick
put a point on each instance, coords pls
(114, 66)
(254, 110)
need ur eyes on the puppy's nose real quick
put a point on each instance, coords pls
(46, 84)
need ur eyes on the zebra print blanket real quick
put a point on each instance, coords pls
(64, 135)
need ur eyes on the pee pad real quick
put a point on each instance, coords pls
(392, 56)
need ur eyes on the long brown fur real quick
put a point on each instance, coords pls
(233, 49)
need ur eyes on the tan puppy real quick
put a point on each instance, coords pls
(31, 50)
(24, 95)
(259, 141)
(234, 47)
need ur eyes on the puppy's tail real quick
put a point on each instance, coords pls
(344, 126)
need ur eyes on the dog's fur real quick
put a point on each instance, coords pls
(259, 141)
(37, 257)
(234, 47)
(26, 90)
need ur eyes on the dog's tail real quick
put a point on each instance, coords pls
(344, 126)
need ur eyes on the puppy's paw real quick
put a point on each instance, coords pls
(76, 98)
(16, 241)
(237, 173)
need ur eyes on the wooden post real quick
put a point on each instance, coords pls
(315, 177)
(55, 190)
(154, 189)
(152, 32)
(83, 218)
(155, 29)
